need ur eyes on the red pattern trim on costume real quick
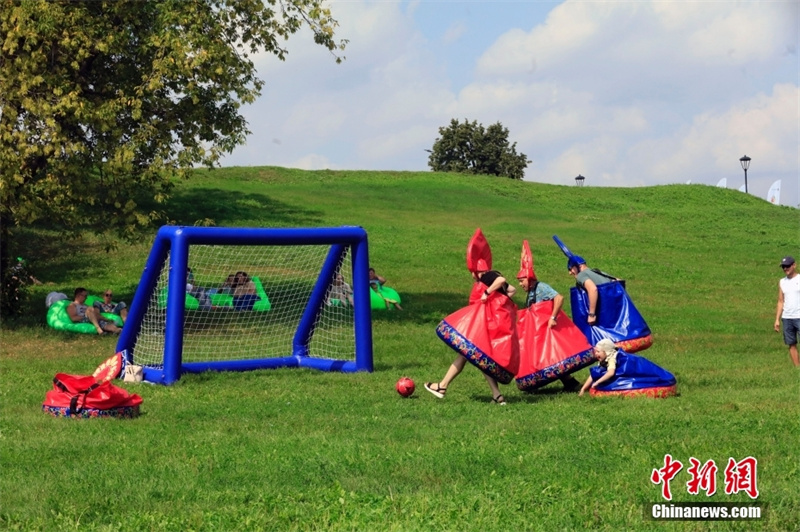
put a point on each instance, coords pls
(636, 344)
(659, 392)
(472, 353)
(549, 374)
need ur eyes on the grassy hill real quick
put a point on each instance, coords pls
(303, 450)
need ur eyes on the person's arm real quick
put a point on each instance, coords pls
(511, 290)
(558, 302)
(591, 291)
(585, 385)
(73, 313)
(608, 375)
(496, 285)
(779, 309)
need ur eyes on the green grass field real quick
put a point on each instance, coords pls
(295, 449)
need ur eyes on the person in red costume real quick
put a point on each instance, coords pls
(483, 333)
(550, 345)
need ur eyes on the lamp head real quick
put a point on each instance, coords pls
(745, 162)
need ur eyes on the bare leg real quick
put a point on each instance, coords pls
(496, 395)
(101, 324)
(94, 317)
(124, 315)
(453, 371)
(440, 388)
(793, 354)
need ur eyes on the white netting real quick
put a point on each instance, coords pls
(229, 319)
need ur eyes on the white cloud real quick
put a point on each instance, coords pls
(312, 161)
(765, 127)
(624, 93)
(454, 32)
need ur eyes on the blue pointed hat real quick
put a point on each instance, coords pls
(572, 259)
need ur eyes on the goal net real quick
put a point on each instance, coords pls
(245, 298)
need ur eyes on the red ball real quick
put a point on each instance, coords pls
(405, 387)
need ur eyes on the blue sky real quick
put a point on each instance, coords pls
(624, 93)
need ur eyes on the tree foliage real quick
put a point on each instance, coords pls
(104, 103)
(469, 148)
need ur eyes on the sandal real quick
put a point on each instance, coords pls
(500, 400)
(438, 391)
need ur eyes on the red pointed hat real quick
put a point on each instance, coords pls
(526, 263)
(479, 255)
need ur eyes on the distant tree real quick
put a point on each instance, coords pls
(104, 103)
(469, 148)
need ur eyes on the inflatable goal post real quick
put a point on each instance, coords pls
(237, 299)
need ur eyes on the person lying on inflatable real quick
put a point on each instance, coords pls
(620, 373)
(79, 312)
(551, 347)
(381, 296)
(483, 333)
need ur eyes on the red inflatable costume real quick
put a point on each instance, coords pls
(484, 332)
(546, 354)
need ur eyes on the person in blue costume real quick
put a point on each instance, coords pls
(589, 280)
(602, 308)
(621, 373)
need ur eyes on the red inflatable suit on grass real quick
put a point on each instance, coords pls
(484, 332)
(92, 396)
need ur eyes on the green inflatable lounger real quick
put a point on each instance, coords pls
(58, 319)
(259, 302)
(380, 300)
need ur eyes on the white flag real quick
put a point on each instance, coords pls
(741, 188)
(723, 183)
(774, 194)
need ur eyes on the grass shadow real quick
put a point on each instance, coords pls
(224, 207)
(423, 308)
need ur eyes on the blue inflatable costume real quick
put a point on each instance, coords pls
(617, 316)
(634, 376)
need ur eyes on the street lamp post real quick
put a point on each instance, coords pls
(579, 180)
(745, 165)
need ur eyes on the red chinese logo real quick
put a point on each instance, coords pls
(741, 476)
(704, 477)
(665, 474)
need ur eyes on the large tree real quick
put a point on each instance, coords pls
(469, 148)
(103, 103)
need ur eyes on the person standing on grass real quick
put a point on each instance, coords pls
(788, 310)
(483, 333)
(588, 280)
(538, 292)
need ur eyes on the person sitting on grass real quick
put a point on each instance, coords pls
(108, 306)
(340, 291)
(79, 312)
